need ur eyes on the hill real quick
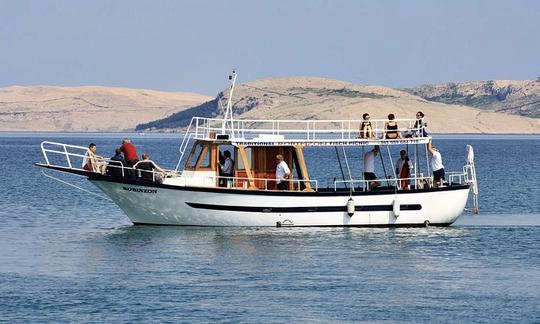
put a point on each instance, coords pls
(521, 97)
(318, 98)
(88, 108)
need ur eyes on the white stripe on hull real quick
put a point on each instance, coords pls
(149, 205)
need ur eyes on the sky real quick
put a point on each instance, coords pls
(193, 45)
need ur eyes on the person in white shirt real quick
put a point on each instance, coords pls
(226, 169)
(282, 173)
(93, 162)
(403, 169)
(369, 167)
(436, 165)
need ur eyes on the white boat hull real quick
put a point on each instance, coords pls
(167, 205)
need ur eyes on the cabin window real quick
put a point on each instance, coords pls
(240, 163)
(205, 159)
(193, 161)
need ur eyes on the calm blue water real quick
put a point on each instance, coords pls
(66, 256)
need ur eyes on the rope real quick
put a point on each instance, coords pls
(74, 186)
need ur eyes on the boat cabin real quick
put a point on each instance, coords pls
(254, 167)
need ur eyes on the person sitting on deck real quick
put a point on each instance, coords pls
(149, 170)
(116, 165)
(226, 169)
(369, 168)
(366, 128)
(93, 162)
(419, 129)
(436, 165)
(282, 173)
(403, 170)
(391, 128)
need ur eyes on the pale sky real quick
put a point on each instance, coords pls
(192, 45)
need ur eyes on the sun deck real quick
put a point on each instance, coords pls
(248, 132)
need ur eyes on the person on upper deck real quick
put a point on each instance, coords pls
(369, 167)
(92, 161)
(366, 128)
(150, 171)
(282, 173)
(130, 153)
(420, 126)
(403, 169)
(226, 168)
(391, 128)
(116, 164)
(436, 165)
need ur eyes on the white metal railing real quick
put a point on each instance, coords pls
(72, 155)
(206, 128)
(415, 182)
(66, 151)
(230, 181)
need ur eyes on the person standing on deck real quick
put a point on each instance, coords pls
(403, 170)
(436, 165)
(130, 153)
(226, 169)
(282, 173)
(369, 167)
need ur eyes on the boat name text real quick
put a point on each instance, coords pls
(141, 190)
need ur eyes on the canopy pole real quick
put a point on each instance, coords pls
(348, 168)
(384, 168)
(392, 164)
(340, 166)
(415, 167)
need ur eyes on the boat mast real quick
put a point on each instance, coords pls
(228, 110)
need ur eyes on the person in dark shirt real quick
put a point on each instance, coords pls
(116, 164)
(149, 170)
(130, 153)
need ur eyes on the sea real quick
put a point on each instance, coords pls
(69, 256)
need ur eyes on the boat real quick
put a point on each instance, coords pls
(194, 193)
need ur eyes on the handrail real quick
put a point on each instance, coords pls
(312, 129)
(266, 180)
(68, 155)
(397, 181)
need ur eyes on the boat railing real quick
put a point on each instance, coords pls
(457, 177)
(261, 129)
(66, 155)
(365, 185)
(243, 182)
(72, 156)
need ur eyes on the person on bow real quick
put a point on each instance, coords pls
(130, 152)
(150, 171)
(116, 165)
(93, 162)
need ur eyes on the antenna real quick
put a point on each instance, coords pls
(228, 110)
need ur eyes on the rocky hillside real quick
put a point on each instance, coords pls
(512, 97)
(90, 108)
(317, 98)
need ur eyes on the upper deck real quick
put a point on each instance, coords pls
(250, 132)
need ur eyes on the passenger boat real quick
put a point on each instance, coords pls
(195, 193)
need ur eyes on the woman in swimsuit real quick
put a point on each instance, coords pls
(366, 129)
(391, 128)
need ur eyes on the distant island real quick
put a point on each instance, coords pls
(497, 106)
